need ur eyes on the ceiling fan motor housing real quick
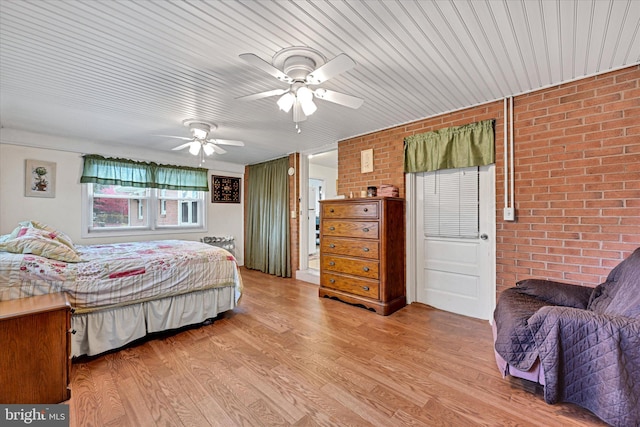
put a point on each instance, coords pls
(199, 130)
(298, 67)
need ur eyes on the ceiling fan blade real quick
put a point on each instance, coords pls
(180, 147)
(260, 63)
(184, 138)
(337, 65)
(263, 94)
(227, 142)
(339, 98)
(218, 150)
(298, 114)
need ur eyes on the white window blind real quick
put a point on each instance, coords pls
(451, 207)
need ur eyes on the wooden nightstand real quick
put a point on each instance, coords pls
(34, 349)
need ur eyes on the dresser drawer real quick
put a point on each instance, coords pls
(359, 229)
(355, 210)
(353, 285)
(357, 267)
(359, 248)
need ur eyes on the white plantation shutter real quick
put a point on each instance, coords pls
(451, 202)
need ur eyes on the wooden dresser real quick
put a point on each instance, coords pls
(35, 349)
(362, 252)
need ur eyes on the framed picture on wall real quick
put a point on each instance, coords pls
(40, 179)
(225, 189)
(366, 161)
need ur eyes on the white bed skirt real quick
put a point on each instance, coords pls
(100, 331)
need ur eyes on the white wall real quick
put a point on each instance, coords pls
(64, 211)
(329, 175)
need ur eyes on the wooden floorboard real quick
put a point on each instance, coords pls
(286, 357)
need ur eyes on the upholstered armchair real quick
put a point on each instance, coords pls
(581, 343)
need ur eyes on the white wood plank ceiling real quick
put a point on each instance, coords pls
(122, 72)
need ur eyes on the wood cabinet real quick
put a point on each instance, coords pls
(35, 349)
(362, 252)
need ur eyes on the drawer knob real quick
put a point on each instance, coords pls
(332, 228)
(366, 288)
(332, 263)
(331, 210)
(366, 209)
(331, 245)
(332, 280)
(366, 230)
(365, 268)
(365, 249)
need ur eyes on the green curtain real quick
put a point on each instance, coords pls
(450, 148)
(130, 173)
(267, 231)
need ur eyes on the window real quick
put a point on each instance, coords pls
(451, 202)
(122, 197)
(119, 208)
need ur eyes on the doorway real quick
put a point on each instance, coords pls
(319, 175)
(454, 240)
(323, 177)
(316, 194)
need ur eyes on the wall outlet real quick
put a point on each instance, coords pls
(293, 214)
(509, 214)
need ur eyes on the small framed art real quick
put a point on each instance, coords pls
(366, 161)
(225, 189)
(40, 179)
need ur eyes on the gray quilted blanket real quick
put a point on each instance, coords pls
(590, 351)
(514, 340)
(592, 360)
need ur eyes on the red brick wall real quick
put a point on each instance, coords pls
(294, 223)
(577, 181)
(577, 170)
(388, 164)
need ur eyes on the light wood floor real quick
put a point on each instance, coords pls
(286, 357)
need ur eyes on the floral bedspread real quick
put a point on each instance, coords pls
(121, 273)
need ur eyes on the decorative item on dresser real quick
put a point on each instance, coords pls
(362, 252)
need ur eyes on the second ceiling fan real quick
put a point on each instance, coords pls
(301, 67)
(201, 139)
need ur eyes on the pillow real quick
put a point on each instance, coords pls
(39, 242)
(556, 293)
(59, 235)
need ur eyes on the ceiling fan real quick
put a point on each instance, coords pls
(301, 67)
(201, 139)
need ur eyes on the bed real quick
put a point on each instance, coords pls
(120, 292)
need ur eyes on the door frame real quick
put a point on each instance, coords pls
(304, 273)
(412, 241)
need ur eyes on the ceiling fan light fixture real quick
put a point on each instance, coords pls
(286, 102)
(194, 148)
(208, 149)
(308, 107)
(304, 94)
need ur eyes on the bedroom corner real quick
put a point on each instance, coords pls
(64, 211)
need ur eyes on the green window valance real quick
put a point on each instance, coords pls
(450, 148)
(131, 173)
